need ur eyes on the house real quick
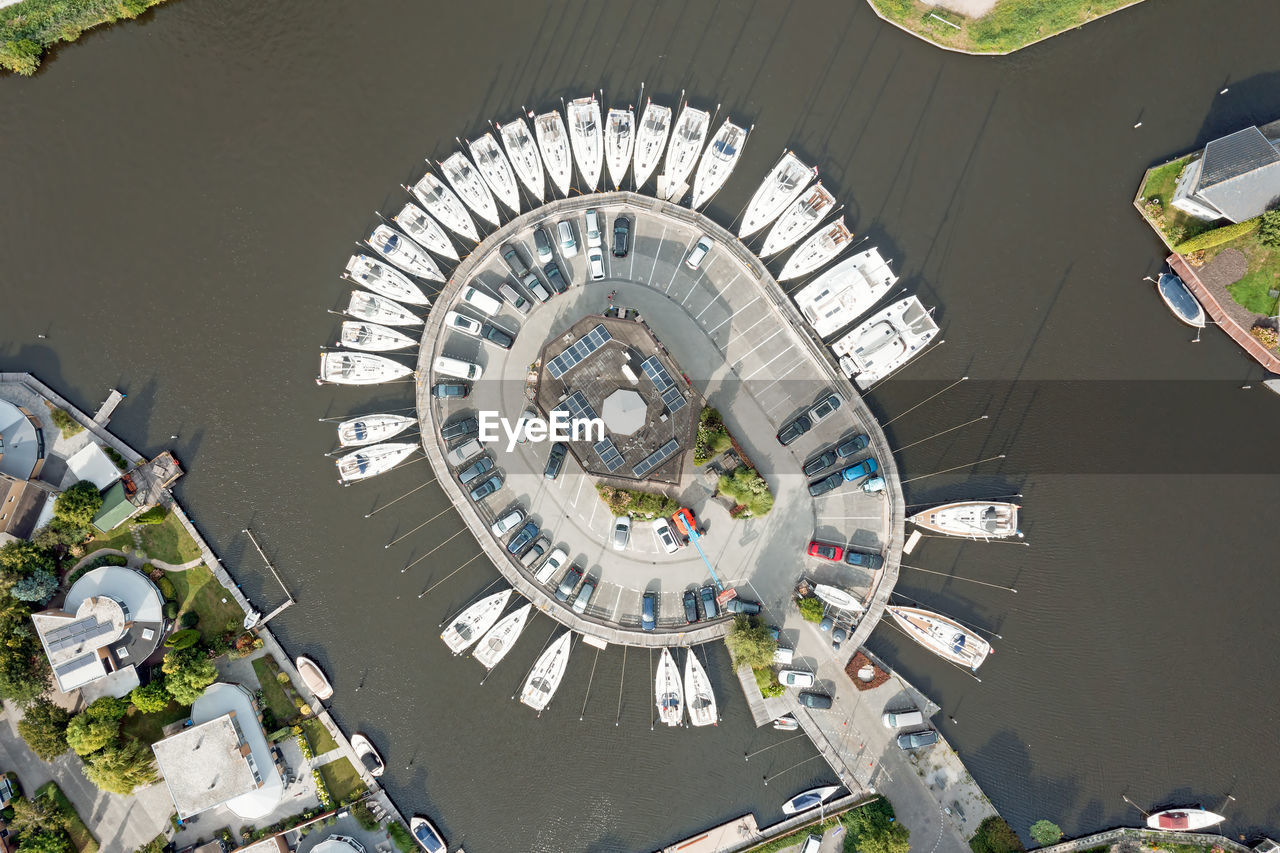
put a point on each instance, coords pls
(133, 492)
(22, 456)
(1236, 177)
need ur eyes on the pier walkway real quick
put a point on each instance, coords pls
(1224, 320)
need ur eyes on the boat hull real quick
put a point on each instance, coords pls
(465, 179)
(500, 639)
(372, 460)
(402, 252)
(698, 693)
(687, 138)
(620, 137)
(971, 519)
(669, 691)
(442, 203)
(783, 185)
(371, 429)
(496, 171)
(817, 250)
(425, 231)
(548, 670)
(522, 151)
(1180, 301)
(651, 141)
(372, 337)
(379, 309)
(944, 637)
(845, 292)
(313, 677)
(585, 135)
(800, 217)
(810, 799)
(426, 834)
(355, 368)
(1183, 820)
(553, 143)
(717, 163)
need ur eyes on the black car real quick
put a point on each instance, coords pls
(810, 699)
(915, 740)
(568, 582)
(483, 465)
(542, 241)
(821, 462)
(494, 335)
(552, 272)
(450, 389)
(511, 255)
(522, 538)
(459, 429)
(847, 448)
(742, 605)
(826, 484)
(621, 237)
(555, 460)
(690, 606)
(488, 487)
(794, 429)
(649, 611)
(709, 606)
(868, 561)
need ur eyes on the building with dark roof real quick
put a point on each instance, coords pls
(1236, 178)
(22, 456)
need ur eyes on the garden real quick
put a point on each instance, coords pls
(635, 503)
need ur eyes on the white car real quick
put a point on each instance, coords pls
(508, 521)
(699, 252)
(568, 243)
(621, 532)
(521, 431)
(481, 301)
(555, 562)
(667, 539)
(593, 229)
(462, 323)
(595, 263)
(795, 678)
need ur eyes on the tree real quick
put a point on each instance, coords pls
(59, 533)
(811, 609)
(994, 835)
(1046, 832)
(37, 586)
(21, 56)
(750, 642)
(150, 698)
(184, 639)
(87, 734)
(1269, 232)
(108, 708)
(120, 768)
(78, 504)
(36, 814)
(45, 841)
(873, 828)
(44, 727)
(24, 670)
(187, 673)
(20, 557)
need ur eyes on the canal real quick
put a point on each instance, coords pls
(181, 193)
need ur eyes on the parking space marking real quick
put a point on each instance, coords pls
(581, 483)
(714, 296)
(784, 374)
(757, 346)
(696, 282)
(742, 332)
(683, 254)
(656, 254)
(769, 362)
(734, 314)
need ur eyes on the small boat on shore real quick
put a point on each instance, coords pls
(470, 186)
(369, 758)
(373, 460)
(494, 645)
(379, 309)
(810, 799)
(845, 292)
(442, 203)
(1184, 819)
(687, 138)
(777, 191)
(358, 368)
(425, 231)
(820, 248)
(313, 676)
(619, 140)
(427, 835)
(971, 519)
(546, 674)
(1180, 300)
(786, 723)
(945, 637)
(801, 217)
(495, 170)
(722, 154)
(403, 252)
(651, 140)
(471, 624)
(553, 142)
(522, 151)
(838, 598)
(588, 142)
(371, 429)
(384, 280)
(372, 337)
(669, 691)
(886, 341)
(698, 692)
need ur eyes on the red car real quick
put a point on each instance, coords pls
(826, 551)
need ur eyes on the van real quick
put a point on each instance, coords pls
(481, 301)
(783, 656)
(539, 548)
(457, 368)
(812, 844)
(902, 719)
(593, 229)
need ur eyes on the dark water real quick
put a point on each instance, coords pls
(180, 194)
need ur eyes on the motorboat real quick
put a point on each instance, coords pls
(845, 292)
(945, 637)
(494, 645)
(619, 141)
(470, 186)
(358, 368)
(373, 460)
(971, 519)
(1184, 819)
(384, 279)
(838, 598)
(522, 151)
(495, 170)
(698, 692)
(810, 799)
(444, 204)
(587, 139)
(313, 676)
(687, 138)
(885, 342)
(669, 690)
(553, 142)
(786, 723)
(471, 624)
(776, 192)
(371, 762)
(817, 250)
(379, 309)
(372, 337)
(371, 429)
(651, 140)
(722, 154)
(1178, 297)
(425, 231)
(801, 217)
(547, 671)
(403, 252)
(427, 835)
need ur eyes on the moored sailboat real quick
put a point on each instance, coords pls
(783, 185)
(722, 154)
(425, 231)
(651, 140)
(469, 625)
(371, 429)
(971, 519)
(945, 637)
(820, 248)
(799, 219)
(546, 674)
(379, 309)
(358, 368)
(687, 138)
(588, 143)
(810, 799)
(442, 203)
(619, 140)
(372, 337)
(373, 460)
(553, 142)
(495, 644)
(470, 186)
(698, 692)
(845, 292)
(522, 151)
(669, 691)
(495, 170)
(385, 280)
(1184, 819)
(403, 252)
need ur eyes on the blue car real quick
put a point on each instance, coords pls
(522, 538)
(865, 468)
(649, 611)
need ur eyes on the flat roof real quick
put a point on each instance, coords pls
(92, 464)
(21, 443)
(206, 765)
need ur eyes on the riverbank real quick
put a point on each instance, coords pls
(29, 28)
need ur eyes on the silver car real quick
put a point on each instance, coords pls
(508, 521)
(621, 532)
(568, 243)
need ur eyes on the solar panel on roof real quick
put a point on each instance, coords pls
(672, 397)
(609, 454)
(74, 634)
(578, 351)
(673, 400)
(576, 406)
(653, 460)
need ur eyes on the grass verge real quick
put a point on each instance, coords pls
(1009, 26)
(80, 835)
(342, 780)
(273, 694)
(318, 736)
(149, 728)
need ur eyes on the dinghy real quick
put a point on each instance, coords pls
(698, 692)
(945, 637)
(799, 219)
(470, 187)
(619, 140)
(313, 676)
(425, 231)
(885, 342)
(1184, 820)
(845, 292)
(837, 598)
(495, 170)
(372, 461)
(1179, 299)
(357, 368)
(442, 203)
(384, 280)
(781, 186)
(545, 676)
(427, 835)
(380, 309)
(669, 691)
(553, 142)
(717, 162)
(817, 250)
(687, 138)
(810, 799)
(403, 252)
(469, 625)
(522, 150)
(651, 140)
(494, 645)
(372, 337)
(371, 429)
(588, 144)
(971, 519)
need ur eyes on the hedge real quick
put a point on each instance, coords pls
(636, 503)
(1218, 236)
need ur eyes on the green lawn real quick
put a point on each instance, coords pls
(273, 694)
(197, 589)
(1263, 274)
(1160, 185)
(167, 541)
(118, 539)
(80, 835)
(149, 727)
(342, 780)
(318, 736)
(1011, 25)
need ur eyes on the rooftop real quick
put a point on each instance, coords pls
(21, 442)
(116, 508)
(207, 765)
(92, 464)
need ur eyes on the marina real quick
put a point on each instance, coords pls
(845, 292)
(372, 337)
(885, 342)
(717, 163)
(800, 217)
(495, 170)
(353, 368)
(470, 186)
(445, 206)
(687, 138)
(782, 186)
(425, 231)
(620, 140)
(553, 142)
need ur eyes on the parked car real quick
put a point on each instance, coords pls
(699, 252)
(568, 243)
(902, 719)
(508, 292)
(537, 288)
(459, 428)
(512, 256)
(584, 595)
(461, 323)
(554, 278)
(522, 538)
(826, 484)
(496, 336)
(621, 532)
(568, 582)
(649, 611)
(709, 606)
(813, 699)
(826, 551)
(481, 301)
(742, 605)
(488, 487)
(464, 451)
(821, 462)
(555, 562)
(595, 264)
(536, 550)
(457, 368)
(555, 460)
(793, 429)
(542, 241)
(522, 434)
(483, 465)
(838, 635)
(873, 485)
(824, 408)
(795, 678)
(667, 539)
(783, 655)
(863, 559)
(690, 606)
(621, 237)
(915, 740)
(865, 468)
(445, 390)
(850, 446)
(507, 522)
(593, 229)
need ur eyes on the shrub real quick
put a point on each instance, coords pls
(44, 727)
(636, 503)
(712, 438)
(746, 487)
(1269, 231)
(994, 835)
(166, 588)
(119, 460)
(811, 609)
(37, 586)
(63, 421)
(322, 793)
(78, 504)
(187, 674)
(768, 682)
(401, 837)
(87, 734)
(190, 619)
(364, 817)
(750, 642)
(1267, 337)
(1218, 236)
(150, 698)
(171, 609)
(155, 515)
(1046, 832)
(184, 639)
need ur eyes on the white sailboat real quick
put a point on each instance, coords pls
(494, 645)
(372, 461)
(651, 140)
(669, 691)
(717, 162)
(384, 280)
(403, 252)
(1184, 819)
(442, 203)
(885, 342)
(780, 187)
(945, 637)
(372, 337)
(838, 598)
(588, 141)
(971, 519)
(845, 292)
(371, 429)
(546, 674)
(357, 368)
(687, 138)
(810, 799)
(471, 624)
(820, 248)
(522, 151)
(470, 187)
(698, 692)
(553, 142)
(425, 231)
(799, 219)
(619, 141)
(495, 170)
(380, 309)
